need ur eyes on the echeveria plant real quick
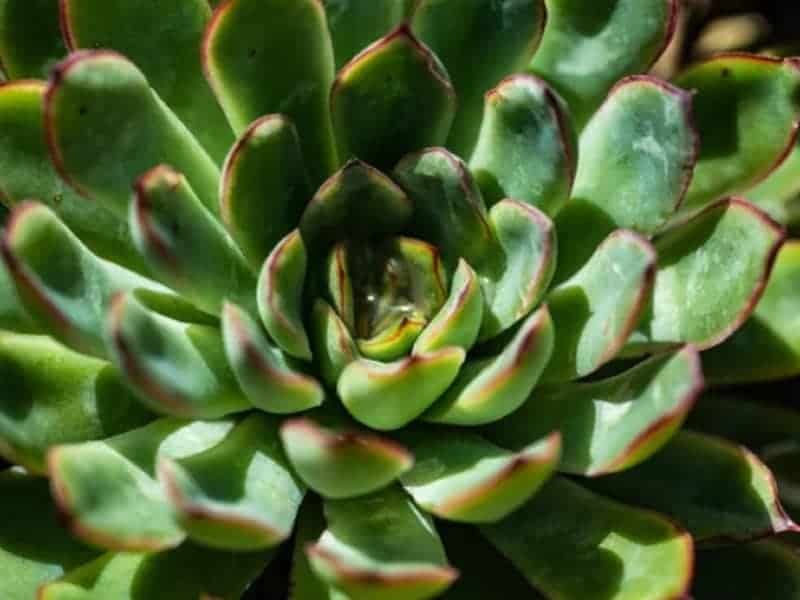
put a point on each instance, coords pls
(421, 289)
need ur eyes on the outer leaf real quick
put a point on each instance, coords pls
(463, 477)
(175, 368)
(712, 271)
(26, 172)
(588, 48)
(13, 316)
(773, 329)
(488, 389)
(338, 460)
(747, 108)
(166, 54)
(526, 146)
(250, 60)
(713, 488)
(264, 186)
(571, 543)
(355, 25)
(54, 396)
(239, 494)
(508, 31)
(185, 573)
(107, 489)
(393, 98)
(612, 424)
(778, 193)
(268, 377)
(105, 127)
(381, 547)
(30, 38)
(596, 310)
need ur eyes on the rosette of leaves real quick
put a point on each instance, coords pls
(412, 293)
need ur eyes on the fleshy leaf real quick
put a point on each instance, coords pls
(167, 55)
(519, 270)
(189, 572)
(778, 194)
(176, 368)
(269, 378)
(381, 547)
(621, 553)
(52, 395)
(463, 477)
(713, 488)
(280, 295)
(333, 345)
(488, 389)
(240, 494)
(390, 395)
(391, 99)
(773, 329)
(713, 268)
(355, 25)
(26, 172)
(337, 459)
(596, 310)
(767, 569)
(184, 243)
(34, 548)
(61, 283)
(264, 186)
(275, 56)
(587, 48)
(105, 127)
(30, 38)
(526, 146)
(611, 424)
(107, 489)
(509, 32)
(394, 341)
(458, 322)
(747, 109)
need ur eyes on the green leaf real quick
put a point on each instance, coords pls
(185, 245)
(508, 31)
(107, 489)
(768, 569)
(105, 127)
(13, 316)
(713, 268)
(34, 548)
(65, 287)
(333, 345)
(240, 494)
(380, 547)
(280, 295)
(338, 459)
(189, 572)
(30, 38)
(587, 48)
(304, 583)
(26, 172)
(52, 396)
(488, 389)
(355, 25)
(393, 98)
(571, 543)
(250, 60)
(596, 310)
(526, 146)
(746, 108)
(270, 379)
(264, 186)
(463, 477)
(166, 54)
(713, 488)
(774, 329)
(611, 424)
(388, 396)
(175, 368)
(778, 194)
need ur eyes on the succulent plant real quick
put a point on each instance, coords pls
(424, 289)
